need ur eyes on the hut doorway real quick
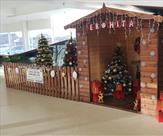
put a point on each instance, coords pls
(101, 46)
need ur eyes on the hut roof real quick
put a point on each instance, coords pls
(105, 9)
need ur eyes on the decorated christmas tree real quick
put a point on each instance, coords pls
(44, 53)
(70, 58)
(117, 73)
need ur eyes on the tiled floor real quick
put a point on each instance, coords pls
(26, 114)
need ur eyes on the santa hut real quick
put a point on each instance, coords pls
(140, 36)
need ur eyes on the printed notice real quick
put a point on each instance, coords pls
(35, 75)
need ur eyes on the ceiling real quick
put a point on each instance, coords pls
(21, 9)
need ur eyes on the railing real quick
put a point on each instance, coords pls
(62, 84)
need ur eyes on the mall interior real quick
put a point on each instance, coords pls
(78, 67)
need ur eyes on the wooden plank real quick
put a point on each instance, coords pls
(77, 85)
(59, 81)
(62, 82)
(73, 84)
(69, 83)
(149, 91)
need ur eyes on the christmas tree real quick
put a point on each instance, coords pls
(116, 73)
(44, 53)
(70, 58)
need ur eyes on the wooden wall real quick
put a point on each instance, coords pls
(132, 56)
(101, 46)
(149, 66)
(94, 55)
(83, 65)
(160, 62)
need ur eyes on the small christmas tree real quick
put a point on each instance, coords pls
(70, 58)
(116, 73)
(44, 53)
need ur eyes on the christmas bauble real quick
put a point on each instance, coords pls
(129, 89)
(75, 75)
(124, 85)
(143, 84)
(153, 75)
(52, 73)
(152, 53)
(143, 42)
(143, 63)
(115, 70)
(17, 70)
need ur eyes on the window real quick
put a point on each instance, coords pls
(4, 43)
(34, 36)
(16, 43)
(58, 54)
(11, 43)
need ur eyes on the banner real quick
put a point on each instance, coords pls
(35, 75)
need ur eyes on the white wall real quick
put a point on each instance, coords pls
(39, 24)
(11, 27)
(31, 25)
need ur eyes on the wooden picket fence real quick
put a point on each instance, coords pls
(61, 85)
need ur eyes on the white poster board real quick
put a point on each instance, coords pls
(35, 75)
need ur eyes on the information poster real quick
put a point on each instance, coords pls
(35, 75)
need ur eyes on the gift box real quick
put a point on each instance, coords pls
(96, 87)
(159, 105)
(95, 98)
(118, 87)
(159, 116)
(118, 94)
(161, 96)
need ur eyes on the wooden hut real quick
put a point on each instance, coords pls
(97, 35)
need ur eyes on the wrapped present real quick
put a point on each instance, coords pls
(96, 87)
(118, 87)
(159, 116)
(159, 110)
(118, 93)
(161, 96)
(95, 98)
(159, 105)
